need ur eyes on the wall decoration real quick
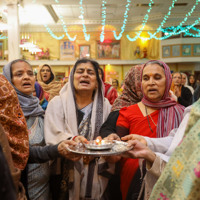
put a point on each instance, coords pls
(1, 50)
(59, 76)
(67, 50)
(108, 50)
(176, 50)
(84, 51)
(196, 50)
(186, 50)
(166, 51)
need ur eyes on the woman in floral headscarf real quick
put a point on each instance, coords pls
(131, 94)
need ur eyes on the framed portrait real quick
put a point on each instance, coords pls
(176, 50)
(108, 50)
(1, 50)
(67, 50)
(84, 51)
(166, 51)
(186, 50)
(196, 50)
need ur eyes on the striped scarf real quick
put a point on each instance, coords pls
(171, 113)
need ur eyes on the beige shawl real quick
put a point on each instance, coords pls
(53, 88)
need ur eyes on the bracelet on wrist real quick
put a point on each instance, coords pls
(74, 137)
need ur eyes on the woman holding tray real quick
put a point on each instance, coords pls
(78, 114)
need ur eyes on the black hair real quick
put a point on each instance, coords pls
(16, 61)
(155, 62)
(194, 85)
(102, 72)
(95, 65)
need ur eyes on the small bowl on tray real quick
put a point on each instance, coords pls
(99, 145)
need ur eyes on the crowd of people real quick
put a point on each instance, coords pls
(157, 114)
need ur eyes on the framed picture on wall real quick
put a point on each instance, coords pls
(186, 50)
(84, 51)
(67, 50)
(176, 50)
(1, 50)
(108, 50)
(166, 51)
(196, 50)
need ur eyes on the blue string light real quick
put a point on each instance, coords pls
(181, 30)
(2, 37)
(168, 32)
(146, 17)
(164, 20)
(179, 27)
(124, 21)
(52, 34)
(64, 28)
(103, 21)
(87, 36)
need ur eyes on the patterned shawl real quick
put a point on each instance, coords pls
(171, 113)
(29, 104)
(53, 88)
(14, 124)
(181, 176)
(132, 89)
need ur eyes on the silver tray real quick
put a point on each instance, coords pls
(118, 148)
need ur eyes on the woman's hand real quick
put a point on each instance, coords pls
(140, 150)
(135, 137)
(62, 150)
(80, 139)
(112, 136)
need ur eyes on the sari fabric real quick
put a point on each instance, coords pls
(181, 176)
(13, 121)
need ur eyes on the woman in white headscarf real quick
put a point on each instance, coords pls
(78, 114)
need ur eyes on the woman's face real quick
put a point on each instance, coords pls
(23, 78)
(45, 73)
(177, 80)
(153, 82)
(183, 79)
(114, 84)
(192, 79)
(85, 78)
